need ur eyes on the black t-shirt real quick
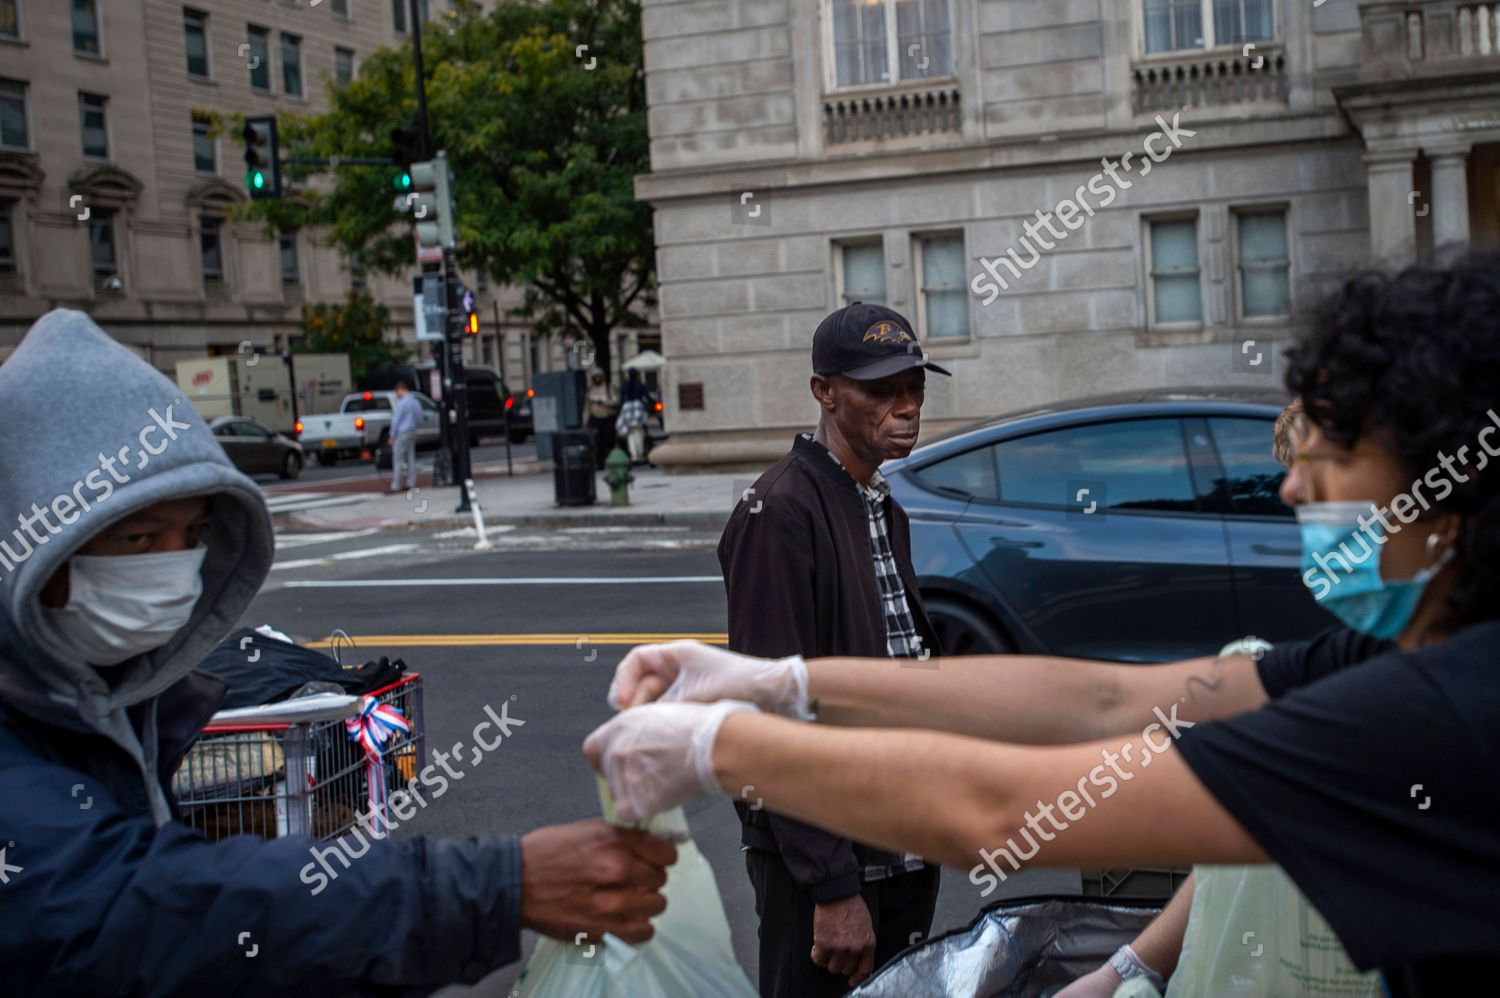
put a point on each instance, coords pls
(1377, 789)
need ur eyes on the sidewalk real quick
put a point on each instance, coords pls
(699, 501)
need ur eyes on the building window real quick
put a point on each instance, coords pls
(398, 16)
(93, 125)
(8, 264)
(13, 131)
(260, 58)
(861, 273)
(195, 34)
(942, 296)
(102, 256)
(341, 9)
(359, 277)
(10, 19)
(888, 41)
(1172, 25)
(291, 65)
(1173, 263)
(343, 65)
(291, 273)
(86, 33)
(205, 154)
(211, 250)
(1264, 266)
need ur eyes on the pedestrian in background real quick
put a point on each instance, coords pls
(818, 556)
(603, 406)
(633, 415)
(405, 419)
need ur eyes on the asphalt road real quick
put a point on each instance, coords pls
(537, 624)
(349, 471)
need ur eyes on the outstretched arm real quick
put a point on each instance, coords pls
(961, 801)
(1024, 699)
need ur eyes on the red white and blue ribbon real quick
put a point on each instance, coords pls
(374, 725)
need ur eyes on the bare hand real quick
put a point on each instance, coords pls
(844, 939)
(593, 878)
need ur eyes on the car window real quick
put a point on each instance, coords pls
(970, 474)
(427, 403)
(1252, 474)
(378, 403)
(251, 430)
(224, 430)
(1131, 464)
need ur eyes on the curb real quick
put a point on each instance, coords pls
(551, 520)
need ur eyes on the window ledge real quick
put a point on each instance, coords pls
(205, 80)
(893, 112)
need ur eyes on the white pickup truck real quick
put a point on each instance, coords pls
(359, 428)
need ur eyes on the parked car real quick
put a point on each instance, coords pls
(1136, 527)
(488, 398)
(361, 425)
(255, 449)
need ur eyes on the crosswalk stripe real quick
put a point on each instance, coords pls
(288, 542)
(295, 501)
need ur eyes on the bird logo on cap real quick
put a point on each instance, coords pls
(886, 331)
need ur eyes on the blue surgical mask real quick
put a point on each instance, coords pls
(1341, 565)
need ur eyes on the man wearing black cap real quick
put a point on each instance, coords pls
(817, 561)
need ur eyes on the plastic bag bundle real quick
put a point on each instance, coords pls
(1252, 932)
(690, 955)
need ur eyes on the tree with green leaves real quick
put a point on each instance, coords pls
(544, 140)
(357, 326)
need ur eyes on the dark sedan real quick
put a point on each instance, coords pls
(1142, 527)
(257, 450)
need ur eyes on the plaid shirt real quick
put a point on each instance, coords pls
(901, 637)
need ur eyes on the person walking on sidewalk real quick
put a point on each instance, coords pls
(404, 422)
(603, 407)
(817, 560)
(632, 422)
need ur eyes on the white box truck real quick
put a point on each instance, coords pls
(264, 386)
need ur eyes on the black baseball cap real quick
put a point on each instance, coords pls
(866, 342)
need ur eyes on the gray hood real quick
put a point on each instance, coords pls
(95, 434)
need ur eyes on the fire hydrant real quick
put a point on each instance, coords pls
(617, 475)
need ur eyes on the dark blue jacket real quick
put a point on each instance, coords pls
(103, 891)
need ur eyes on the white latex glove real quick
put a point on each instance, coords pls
(1102, 983)
(659, 755)
(692, 671)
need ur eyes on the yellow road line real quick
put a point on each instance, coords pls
(575, 640)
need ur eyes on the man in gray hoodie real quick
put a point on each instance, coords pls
(129, 547)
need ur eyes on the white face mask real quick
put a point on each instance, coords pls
(122, 606)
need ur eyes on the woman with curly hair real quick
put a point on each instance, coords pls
(1363, 761)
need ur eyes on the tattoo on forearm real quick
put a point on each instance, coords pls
(1213, 685)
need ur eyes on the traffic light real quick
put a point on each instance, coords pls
(431, 202)
(262, 158)
(472, 326)
(406, 146)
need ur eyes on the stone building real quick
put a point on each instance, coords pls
(965, 162)
(116, 198)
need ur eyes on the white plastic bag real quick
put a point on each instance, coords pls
(690, 955)
(1252, 932)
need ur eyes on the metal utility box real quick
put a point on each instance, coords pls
(558, 406)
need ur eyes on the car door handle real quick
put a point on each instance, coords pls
(1271, 549)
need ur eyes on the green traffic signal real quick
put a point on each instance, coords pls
(402, 180)
(256, 180)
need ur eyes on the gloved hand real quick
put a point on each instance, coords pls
(690, 670)
(659, 755)
(1102, 983)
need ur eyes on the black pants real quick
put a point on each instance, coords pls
(604, 438)
(899, 907)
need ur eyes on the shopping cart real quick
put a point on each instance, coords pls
(295, 771)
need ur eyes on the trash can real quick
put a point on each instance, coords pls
(573, 468)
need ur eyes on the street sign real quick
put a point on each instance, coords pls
(429, 307)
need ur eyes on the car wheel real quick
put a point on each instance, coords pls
(326, 459)
(518, 436)
(291, 465)
(964, 630)
(383, 458)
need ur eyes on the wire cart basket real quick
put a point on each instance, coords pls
(279, 775)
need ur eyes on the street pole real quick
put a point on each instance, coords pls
(416, 56)
(504, 409)
(458, 387)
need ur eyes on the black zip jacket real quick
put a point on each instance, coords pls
(801, 581)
